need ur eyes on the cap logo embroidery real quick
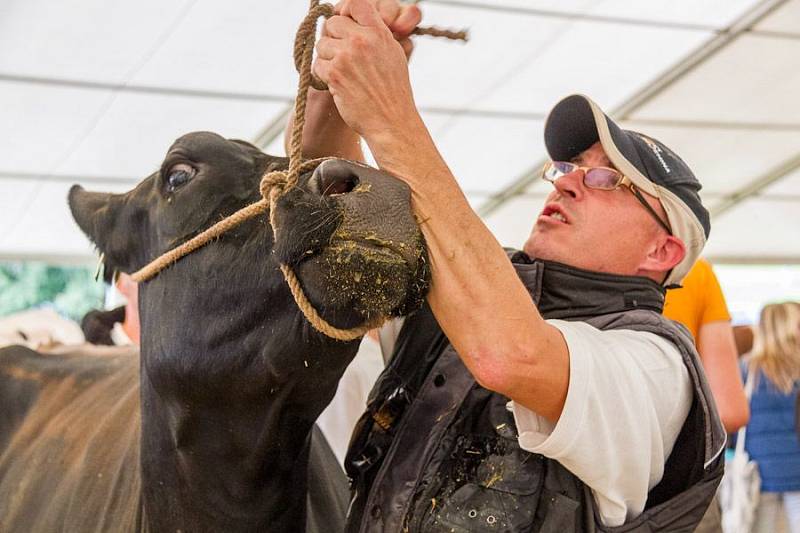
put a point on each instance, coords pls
(657, 151)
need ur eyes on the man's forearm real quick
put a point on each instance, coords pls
(325, 133)
(476, 295)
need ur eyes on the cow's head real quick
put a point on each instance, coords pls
(346, 230)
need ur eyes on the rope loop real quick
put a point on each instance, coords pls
(272, 183)
(305, 37)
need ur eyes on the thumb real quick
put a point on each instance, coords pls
(365, 14)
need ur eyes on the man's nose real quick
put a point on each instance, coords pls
(570, 184)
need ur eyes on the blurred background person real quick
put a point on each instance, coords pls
(118, 326)
(97, 325)
(700, 306)
(771, 438)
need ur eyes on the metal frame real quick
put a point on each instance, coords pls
(752, 189)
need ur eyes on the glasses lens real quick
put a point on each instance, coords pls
(602, 178)
(564, 167)
(555, 169)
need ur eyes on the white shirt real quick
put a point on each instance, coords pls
(339, 418)
(628, 397)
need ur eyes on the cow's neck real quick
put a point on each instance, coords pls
(228, 403)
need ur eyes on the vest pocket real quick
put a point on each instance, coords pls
(494, 485)
(560, 512)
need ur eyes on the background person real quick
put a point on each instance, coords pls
(700, 306)
(118, 326)
(771, 439)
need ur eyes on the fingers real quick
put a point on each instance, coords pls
(389, 10)
(328, 47)
(365, 14)
(408, 46)
(321, 68)
(401, 19)
(407, 19)
(339, 27)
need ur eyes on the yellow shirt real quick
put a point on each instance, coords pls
(699, 301)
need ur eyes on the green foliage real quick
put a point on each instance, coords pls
(71, 291)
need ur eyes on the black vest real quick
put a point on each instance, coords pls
(436, 452)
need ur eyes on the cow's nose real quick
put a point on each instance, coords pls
(334, 176)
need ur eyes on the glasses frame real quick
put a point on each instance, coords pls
(622, 181)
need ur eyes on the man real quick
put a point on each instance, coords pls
(490, 417)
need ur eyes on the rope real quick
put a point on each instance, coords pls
(275, 184)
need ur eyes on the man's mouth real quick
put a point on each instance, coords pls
(554, 212)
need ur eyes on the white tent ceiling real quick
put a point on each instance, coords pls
(94, 92)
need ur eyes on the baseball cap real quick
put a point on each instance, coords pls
(576, 123)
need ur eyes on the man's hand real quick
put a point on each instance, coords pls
(325, 133)
(365, 67)
(401, 19)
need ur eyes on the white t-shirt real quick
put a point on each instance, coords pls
(628, 397)
(339, 418)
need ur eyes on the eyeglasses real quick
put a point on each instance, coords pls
(602, 178)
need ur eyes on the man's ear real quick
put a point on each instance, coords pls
(667, 252)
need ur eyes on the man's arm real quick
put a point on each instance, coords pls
(325, 134)
(717, 348)
(475, 295)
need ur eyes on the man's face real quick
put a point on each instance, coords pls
(604, 231)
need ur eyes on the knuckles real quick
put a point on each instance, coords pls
(359, 42)
(335, 75)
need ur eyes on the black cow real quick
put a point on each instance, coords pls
(210, 430)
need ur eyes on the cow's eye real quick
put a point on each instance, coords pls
(179, 175)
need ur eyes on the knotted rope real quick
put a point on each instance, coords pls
(277, 183)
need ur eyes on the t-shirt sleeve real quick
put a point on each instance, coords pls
(628, 396)
(715, 309)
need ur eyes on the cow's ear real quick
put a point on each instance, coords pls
(99, 216)
(91, 210)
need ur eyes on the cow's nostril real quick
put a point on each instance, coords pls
(334, 178)
(339, 186)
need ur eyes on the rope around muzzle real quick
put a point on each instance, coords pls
(275, 184)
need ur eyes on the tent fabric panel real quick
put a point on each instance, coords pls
(788, 187)
(784, 19)
(42, 223)
(136, 131)
(755, 79)
(522, 70)
(246, 49)
(717, 13)
(486, 154)
(740, 231)
(91, 39)
(39, 125)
